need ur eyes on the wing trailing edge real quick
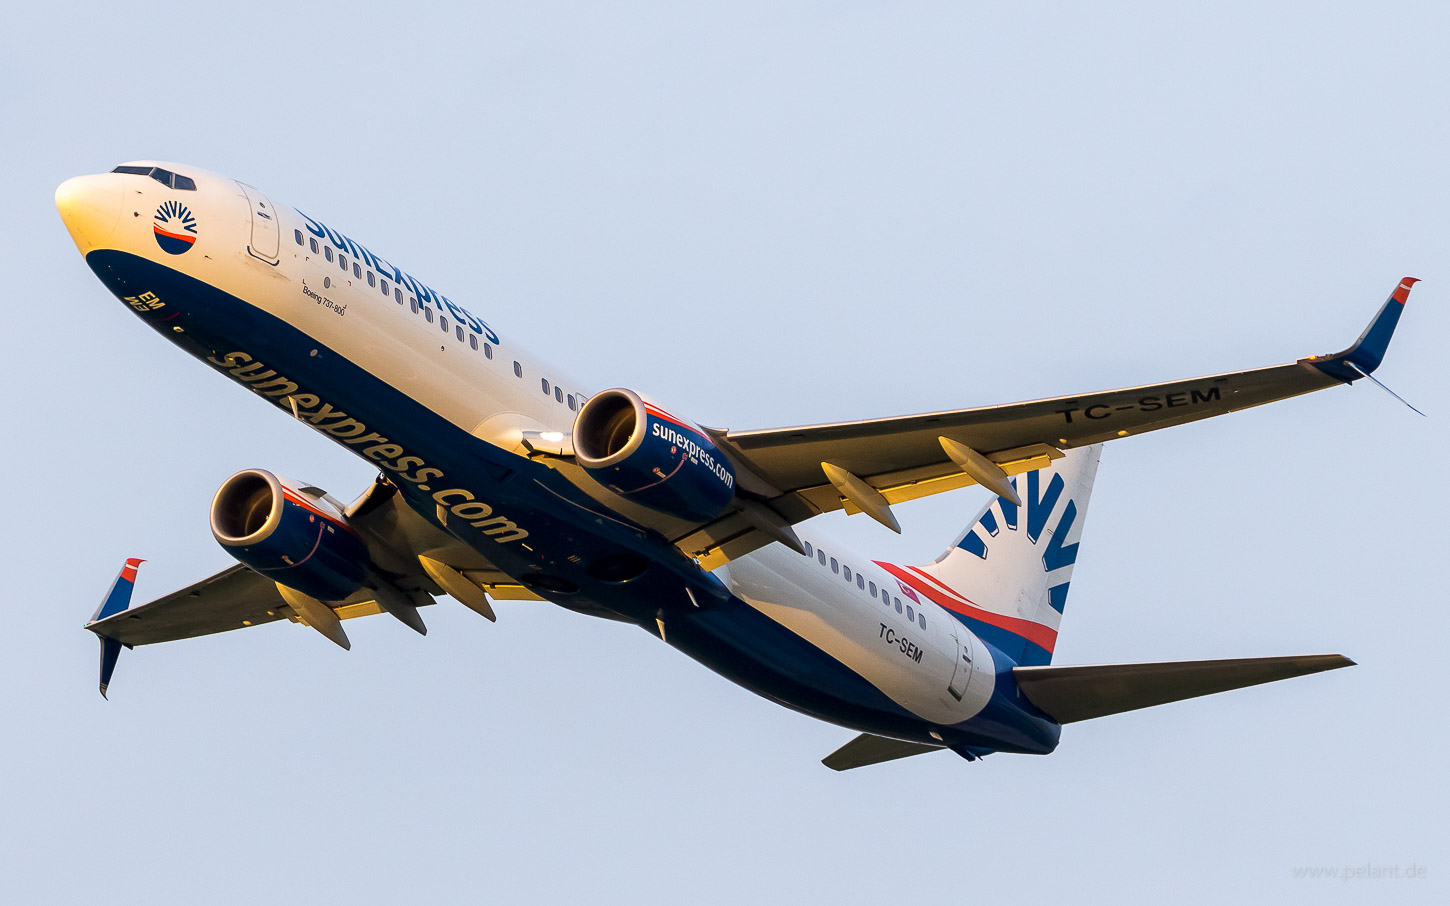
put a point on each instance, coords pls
(1068, 694)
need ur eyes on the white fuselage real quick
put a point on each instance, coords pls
(356, 304)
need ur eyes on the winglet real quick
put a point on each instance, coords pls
(119, 597)
(117, 600)
(1369, 350)
(110, 653)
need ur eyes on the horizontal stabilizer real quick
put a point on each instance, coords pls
(1068, 694)
(867, 749)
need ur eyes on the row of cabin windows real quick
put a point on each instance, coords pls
(570, 399)
(389, 290)
(887, 597)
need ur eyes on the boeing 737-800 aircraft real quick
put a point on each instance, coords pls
(503, 478)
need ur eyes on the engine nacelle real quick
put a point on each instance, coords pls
(287, 532)
(641, 452)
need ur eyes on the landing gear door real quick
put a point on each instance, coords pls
(266, 234)
(962, 675)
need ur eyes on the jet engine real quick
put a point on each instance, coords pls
(290, 533)
(643, 453)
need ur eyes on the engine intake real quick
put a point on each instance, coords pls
(289, 533)
(643, 453)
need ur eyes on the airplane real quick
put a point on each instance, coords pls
(503, 478)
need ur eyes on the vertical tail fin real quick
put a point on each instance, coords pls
(1006, 577)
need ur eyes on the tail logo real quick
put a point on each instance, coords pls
(1040, 505)
(174, 228)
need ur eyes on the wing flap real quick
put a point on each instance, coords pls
(1068, 694)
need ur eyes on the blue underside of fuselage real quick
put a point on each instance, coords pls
(566, 532)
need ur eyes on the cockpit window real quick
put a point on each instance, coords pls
(165, 177)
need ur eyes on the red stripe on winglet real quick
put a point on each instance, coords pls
(128, 572)
(1402, 292)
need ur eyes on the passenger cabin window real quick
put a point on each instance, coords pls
(312, 244)
(487, 351)
(387, 290)
(558, 394)
(472, 338)
(544, 382)
(373, 281)
(398, 294)
(443, 320)
(885, 597)
(897, 602)
(328, 252)
(821, 555)
(806, 543)
(910, 615)
(860, 582)
(428, 313)
(921, 619)
(873, 589)
(357, 270)
(342, 261)
(413, 303)
(848, 573)
(459, 331)
(835, 567)
(573, 406)
(518, 370)
(297, 234)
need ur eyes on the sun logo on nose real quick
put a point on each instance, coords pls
(174, 227)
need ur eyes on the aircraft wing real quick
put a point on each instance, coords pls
(865, 466)
(231, 599)
(420, 561)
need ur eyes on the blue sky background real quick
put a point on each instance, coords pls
(763, 214)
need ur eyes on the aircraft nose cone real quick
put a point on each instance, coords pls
(90, 207)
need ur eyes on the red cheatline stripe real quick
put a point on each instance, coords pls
(312, 509)
(938, 583)
(1039, 635)
(660, 413)
(182, 236)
